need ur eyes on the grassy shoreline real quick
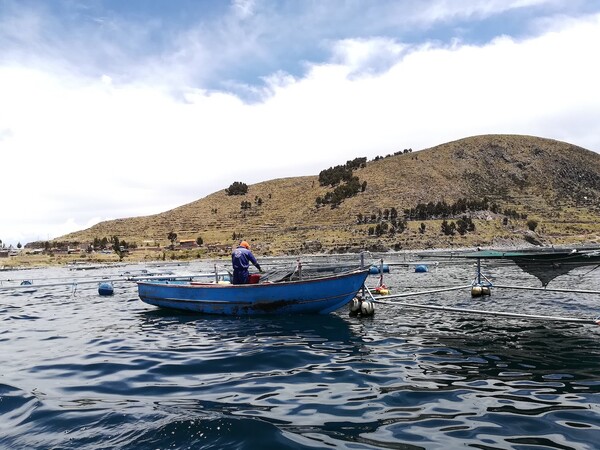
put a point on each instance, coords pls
(27, 260)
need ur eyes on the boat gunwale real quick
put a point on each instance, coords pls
(213, 285)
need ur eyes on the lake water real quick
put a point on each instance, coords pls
(82, 371)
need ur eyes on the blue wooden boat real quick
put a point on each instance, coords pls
(319, 295)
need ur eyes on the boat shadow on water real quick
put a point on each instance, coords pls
(333, 327)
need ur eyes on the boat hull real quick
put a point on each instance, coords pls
(314, 296)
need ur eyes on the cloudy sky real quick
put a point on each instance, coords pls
(112, 108)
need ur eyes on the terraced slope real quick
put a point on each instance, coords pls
(554, 183)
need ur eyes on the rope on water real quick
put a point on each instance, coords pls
(595, 321)
(380, 300)
(110, 280)
(431, 291)
(569, 291)
(65, 283)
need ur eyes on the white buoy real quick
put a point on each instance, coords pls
(367, 308)
(354, 307)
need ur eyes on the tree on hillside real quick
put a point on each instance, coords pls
(532, 224)
(449, 229)
(237, 188)
(101, 244)
(464, 225)
(172, 237)
(118, 247)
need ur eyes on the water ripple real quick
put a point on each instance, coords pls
(80, 371)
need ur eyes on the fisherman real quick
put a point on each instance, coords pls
(241, 257)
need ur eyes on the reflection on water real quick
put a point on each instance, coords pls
(84, 371)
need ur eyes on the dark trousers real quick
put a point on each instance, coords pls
(240, 276)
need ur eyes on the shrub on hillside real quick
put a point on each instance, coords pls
(237, 188)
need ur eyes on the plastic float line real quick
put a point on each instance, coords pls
(434, 291)
(107, 280)
(595, 321)
(573, 291)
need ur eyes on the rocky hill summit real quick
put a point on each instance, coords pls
(491, 190)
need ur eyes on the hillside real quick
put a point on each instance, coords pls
(554, 183)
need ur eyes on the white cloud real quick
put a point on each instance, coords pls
(80, 149)
(368, 55)
(243, 8)
(444, 10)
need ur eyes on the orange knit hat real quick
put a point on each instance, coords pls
(245, 244)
